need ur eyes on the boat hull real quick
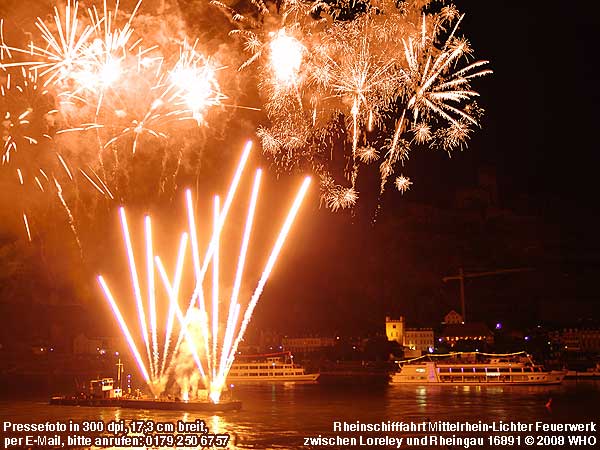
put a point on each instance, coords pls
(306, 378)
(182, 406)
(78, 401)
(166, 405)
(479, 383)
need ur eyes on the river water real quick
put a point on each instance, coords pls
(281, 416)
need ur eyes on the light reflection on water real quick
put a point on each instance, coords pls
(280, 415)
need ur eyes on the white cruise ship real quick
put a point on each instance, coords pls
(474, 368)
(269, 369)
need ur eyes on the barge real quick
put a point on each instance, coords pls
(103, 395)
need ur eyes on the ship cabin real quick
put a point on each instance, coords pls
(103, 388)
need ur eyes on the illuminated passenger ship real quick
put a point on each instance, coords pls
(269, 368)
(475, 369)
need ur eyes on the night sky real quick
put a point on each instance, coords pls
(343, 272)
(538, 135)
(541, 100)
(539, 130)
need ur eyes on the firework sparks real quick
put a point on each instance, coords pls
(193, 79)
(19, 98)
(341, 198)
(151, 295)
(64, 165)
(265, 276)
(392, 74)
(26, 222)
(215, 288)
(367, 154)
(135, 279)
(403, 184)
(82, 83)
(234, 307)
(219, 355)
(286, 56)
(92, 182)
(173, 291)
(59, 194)
(39, 184)
(96, 60)
(124, 328)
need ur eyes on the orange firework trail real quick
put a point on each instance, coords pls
(215, 288)
(98, 188)
(268, 268)
(64, 164)
(134, 277)
(124, 328)
(200, 271)
(213, 348)
(151, 294)
(173, 292)
(234, 306)
(59, 194)
(27, 226)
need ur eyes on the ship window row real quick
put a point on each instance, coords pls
(270, 366)
(263, 374)
(468, 378)
(489, 370)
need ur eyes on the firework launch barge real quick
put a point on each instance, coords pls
(103, 394)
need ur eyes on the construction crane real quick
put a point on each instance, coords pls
(462, 275)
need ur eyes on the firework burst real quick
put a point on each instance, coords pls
(87, 84)
(381, 80)
(403, 184)
(286, 54)
(105, 79)
(21, 98)
(194, 82)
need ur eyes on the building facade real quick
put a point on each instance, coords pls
(394, 329)
(414, 340)
(453, 318)
(418, 339)
(474, 331)
(306, 344)
(586, 340)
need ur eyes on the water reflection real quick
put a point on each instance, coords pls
(421, 398)
(214, 427)
(278, 416)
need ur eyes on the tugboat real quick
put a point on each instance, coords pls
(103, 393)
